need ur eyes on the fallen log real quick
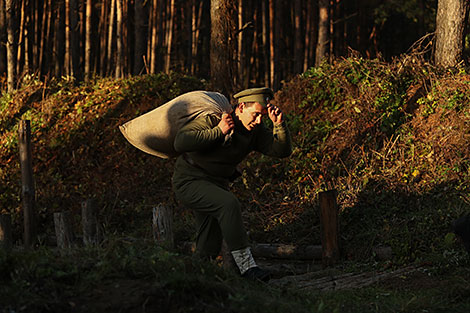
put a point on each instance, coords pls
(283, 251)
(292, 252)
(327, 282)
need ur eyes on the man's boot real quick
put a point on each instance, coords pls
(247, 265)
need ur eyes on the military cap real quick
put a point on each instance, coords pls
(262, 95)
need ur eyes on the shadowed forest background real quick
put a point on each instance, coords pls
(376, 95)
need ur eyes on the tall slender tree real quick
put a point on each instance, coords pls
(323, 31)
(11, 58)
(169, 35)
(140, 34)
(88, 29)
(3, 37)
(220, 60)
(450, 28)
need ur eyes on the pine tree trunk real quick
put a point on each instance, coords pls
(220, 63)
(109, 59)
(298, 38)
(103, 39)
(139, 36)
(88, 39)
(68, 39)
(19, 46)
(11, 58)
(323, 26)
(3, 37)
(450, 29)
(196, 26)
(119, 54)
(154, 39)
(169, 40)
(74, 43)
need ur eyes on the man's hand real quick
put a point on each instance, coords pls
(226, 124)
(275, 114)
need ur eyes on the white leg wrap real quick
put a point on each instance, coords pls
(244, 259)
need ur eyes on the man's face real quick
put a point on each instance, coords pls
(251, 114)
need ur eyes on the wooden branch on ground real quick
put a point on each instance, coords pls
(326, 282)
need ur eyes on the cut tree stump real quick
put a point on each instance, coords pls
(63, 230)
(163, 225)
(329, 227)
(5, 232)
(91, 235)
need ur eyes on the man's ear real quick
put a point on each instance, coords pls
(241, 106)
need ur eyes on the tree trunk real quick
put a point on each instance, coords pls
(154, 39)
(450, 29)
(322, 42)
(298, 38)
(11, 58)
(169, 36)
(220, 63)
(68, 40)
(119, 52)
(74, 43)
(196, 26)
(271, 43)
(139, 36)
(109, 59)
(3, 37)
(19, 46)
(88, 39)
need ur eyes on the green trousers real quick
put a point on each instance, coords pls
(217, 213)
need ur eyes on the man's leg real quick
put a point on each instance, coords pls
(209, 236)
(209, 199)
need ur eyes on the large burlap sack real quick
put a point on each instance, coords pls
(154, 132)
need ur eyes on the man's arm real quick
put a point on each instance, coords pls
(199, 134)
(277, 143)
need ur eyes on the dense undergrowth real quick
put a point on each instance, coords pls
(391, 138)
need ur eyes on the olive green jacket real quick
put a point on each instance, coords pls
(207, 148)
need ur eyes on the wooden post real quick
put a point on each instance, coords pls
(163, 225)
(89, 222)
(63, 230)
(5, 232)
(27, 182)
(329, 227)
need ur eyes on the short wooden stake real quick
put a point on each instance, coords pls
(27, 182)
(89, 222)
(329, 227)
(63, 230)
(163, 225)
(5, 232)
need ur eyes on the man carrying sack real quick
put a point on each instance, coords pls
(211, 147)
